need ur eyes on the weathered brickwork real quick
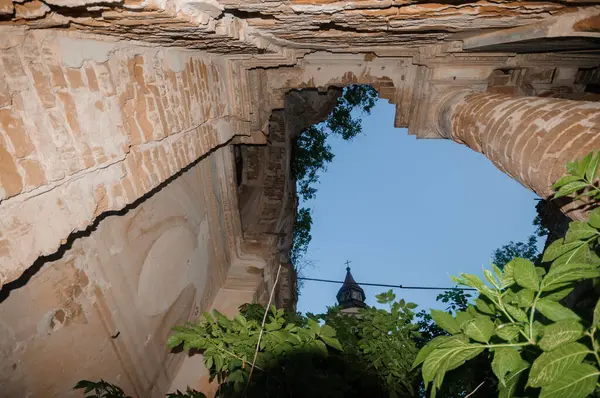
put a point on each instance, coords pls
(528, 138)
(95, 134)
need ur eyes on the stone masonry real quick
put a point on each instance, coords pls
(145, 151)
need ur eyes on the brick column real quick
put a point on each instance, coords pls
(529, 138)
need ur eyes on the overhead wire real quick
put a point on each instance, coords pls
(387, 285)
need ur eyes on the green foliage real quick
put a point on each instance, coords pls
(581, 178)
(540, 347)
(100, 389)
(381, 343)
(527, 250)
(302, 236)
(328, 355)
(189, 393)
(229, 345)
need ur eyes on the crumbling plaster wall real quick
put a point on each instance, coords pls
(105, 307)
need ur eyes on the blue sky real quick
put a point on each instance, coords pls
(407, 211)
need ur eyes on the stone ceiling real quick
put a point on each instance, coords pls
(234, 26)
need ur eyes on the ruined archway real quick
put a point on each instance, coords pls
(117, 121)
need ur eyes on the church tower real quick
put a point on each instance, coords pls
(351, 297)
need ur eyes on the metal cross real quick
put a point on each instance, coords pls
(347, 265)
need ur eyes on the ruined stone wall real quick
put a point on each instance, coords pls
(105, 307)
(89, 126)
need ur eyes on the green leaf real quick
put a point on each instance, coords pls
(559, 294)
(480, 329)
(596, 321)
(584, 163)
(319, 347)
(428, 349)
(484, 307)
(551, 365)
(525, 274)
(463, 317)
(173, 341)
(512, 381)
(541, 271)
(564, 181)
(445, 321)
(507, 332)
(578, 381)
(489, 276)
(473, 281)
(240, 320)
(579, 230)
(557, 249)
(524, 298)
(560, 333)
(554, 311)
(332, 342)
(444, 359)
(594, 218)
(570, 188)
(592, 169)
(517, 313)
(580, 254)
(327, 331)
(560, 277)
(505, 360)
(314, 326)
(509, 270)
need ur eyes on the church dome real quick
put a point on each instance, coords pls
(351, 295)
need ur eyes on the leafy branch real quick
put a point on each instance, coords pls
(582, 178)
(539, 346)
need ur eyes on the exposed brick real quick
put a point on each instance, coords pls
(15, 130)
(34, 174)
(57, 77)
(525, 136)
(41, 81)
(70, 111)
(6, 7)
(5, 98)
(91, 78)
(10, 180)
(31, 10)
(74, 78)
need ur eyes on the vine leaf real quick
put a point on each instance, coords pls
(558, 278)
(596, 321)
(512, 380)
(525, 274)
(560, 333)
(551, 365)
(555, 311)
(505, 360)
(507, 332)
(594, 218)
(442, 360)
(445, 321)
(480, 329)
(576, 382)
(569, 188)
(579, 230)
